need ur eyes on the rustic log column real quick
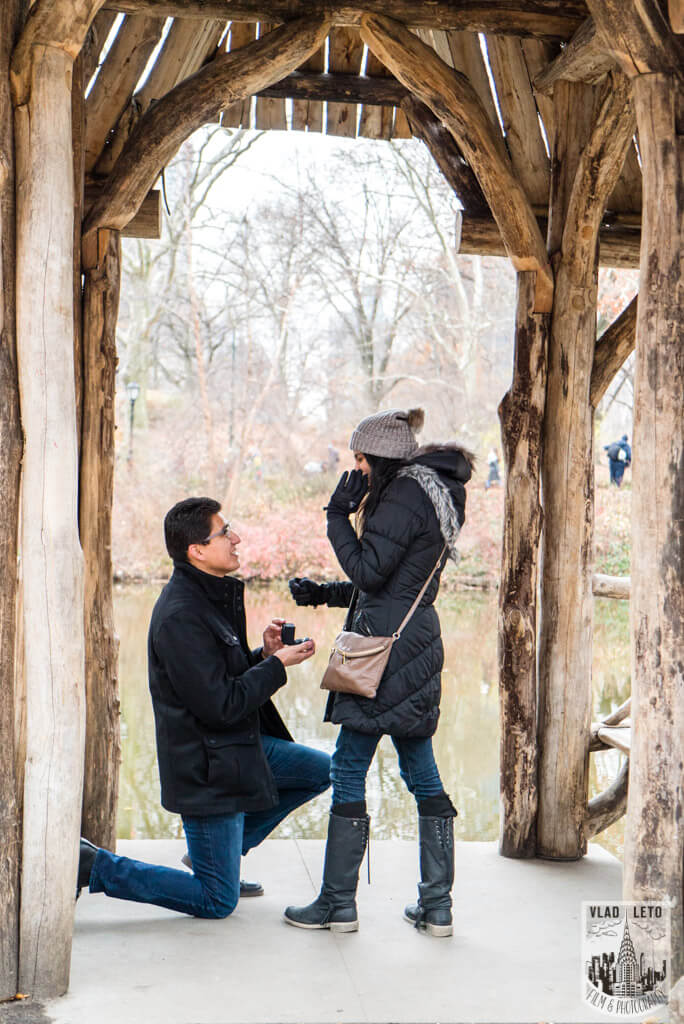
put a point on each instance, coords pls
(653, 56)
(654, 834)
(521, 413)
(11, 17)
(103, 747)
(51, 556)
(588, 156)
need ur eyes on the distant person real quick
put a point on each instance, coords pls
(493, 463)
(413, 509)
(333, 458)
(619, 458)
(227, 763)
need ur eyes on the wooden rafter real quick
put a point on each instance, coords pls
(524, 139)
(584, 59)
(130, 51)
(554, 19)
(676, 13)
(345, 54)
(376, 123)
(446, 154)
(612, 348)
(453, 100)
(159, 134)
(308, 114)
(339, 88)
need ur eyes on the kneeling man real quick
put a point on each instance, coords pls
(227, 763)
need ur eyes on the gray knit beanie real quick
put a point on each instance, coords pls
(390, 434)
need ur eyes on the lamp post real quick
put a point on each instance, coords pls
(132, 390)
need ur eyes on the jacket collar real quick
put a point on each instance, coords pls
(217, 588)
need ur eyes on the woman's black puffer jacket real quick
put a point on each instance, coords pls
(387, 566)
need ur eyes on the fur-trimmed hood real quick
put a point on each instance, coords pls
(442, 470)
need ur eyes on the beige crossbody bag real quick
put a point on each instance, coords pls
(357, 662)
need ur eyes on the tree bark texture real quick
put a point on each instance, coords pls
(454, 101)
(553, 19)
(51, 555)
(588, 156)
(521, 413)
(198, 99)
(11, 443)
(103, 745)
(654, 836)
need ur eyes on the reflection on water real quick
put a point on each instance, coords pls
(466, 743)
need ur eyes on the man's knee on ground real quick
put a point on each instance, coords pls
(218, 907)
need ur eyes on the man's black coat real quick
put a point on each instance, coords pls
(211, 698)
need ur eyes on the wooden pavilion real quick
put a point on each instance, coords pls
(560, 126)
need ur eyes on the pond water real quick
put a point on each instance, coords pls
(466, 743)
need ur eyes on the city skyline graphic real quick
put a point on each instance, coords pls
(626, 956)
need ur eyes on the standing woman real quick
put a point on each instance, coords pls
(413, 511)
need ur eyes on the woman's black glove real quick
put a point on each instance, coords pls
(348, 494)
(307, 592)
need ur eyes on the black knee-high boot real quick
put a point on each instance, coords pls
(335, 906)
(432, 912)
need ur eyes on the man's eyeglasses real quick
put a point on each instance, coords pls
(223, 532)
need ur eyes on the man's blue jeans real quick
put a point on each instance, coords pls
(216, 842)
(354, 753)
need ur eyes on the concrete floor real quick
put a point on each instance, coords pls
(515, 954)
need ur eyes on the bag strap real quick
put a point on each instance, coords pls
(397, 634)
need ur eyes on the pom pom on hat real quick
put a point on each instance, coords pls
(389, 434)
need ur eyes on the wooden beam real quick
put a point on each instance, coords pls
(521, 413)
(654, 850)
(609, 806)
(270, 114)
(11, 451)
(593, 131)
(445, 152)
(530, 161)
(185, 50)
(198, 99)
(307, 115)
(612, 348)
(125, 62)
(639, 36)
(553, 19)
(618, 247)
(617, 587)
(147, 221)
(102, 744)
(51, 554)
(376, 122)
(453, 100)
(345, 54)
(339, 88)
(95, 40)
(584, 59)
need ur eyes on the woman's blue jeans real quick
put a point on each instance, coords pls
(352, 759)
(216, 843)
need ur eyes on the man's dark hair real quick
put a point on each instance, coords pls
(188, 522)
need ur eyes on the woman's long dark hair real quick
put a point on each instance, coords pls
(383, 472)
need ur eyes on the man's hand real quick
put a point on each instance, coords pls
(272, 637)
(348, 494)
(297, 653)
